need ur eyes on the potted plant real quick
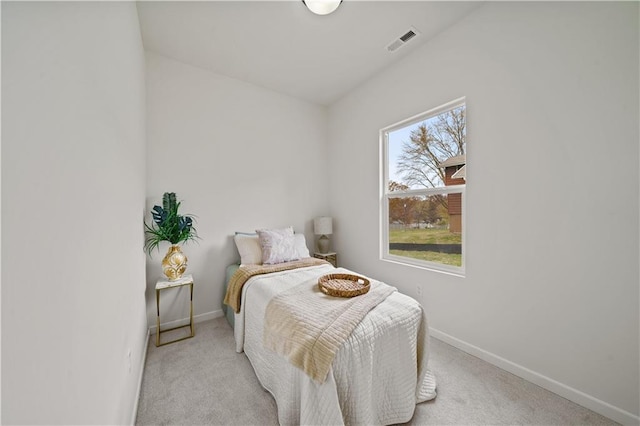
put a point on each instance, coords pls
(170, 226)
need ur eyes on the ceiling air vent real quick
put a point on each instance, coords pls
(403, 39)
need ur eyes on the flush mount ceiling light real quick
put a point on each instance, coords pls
(322, 7)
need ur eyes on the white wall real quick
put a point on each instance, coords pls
(551, 290)
(239, 157)
(73, 177)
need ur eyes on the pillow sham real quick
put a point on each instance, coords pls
(278, 245)
(249, 248)
(301, 246)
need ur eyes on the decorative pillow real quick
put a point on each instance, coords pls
(301, 246)
(249, 248)
(278, 245)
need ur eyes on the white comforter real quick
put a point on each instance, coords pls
(377, 377)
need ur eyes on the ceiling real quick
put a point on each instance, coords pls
(280, 45)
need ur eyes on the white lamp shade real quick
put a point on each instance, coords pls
(322, 7)
(322, 225)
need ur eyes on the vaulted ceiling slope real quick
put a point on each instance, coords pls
(280, 45)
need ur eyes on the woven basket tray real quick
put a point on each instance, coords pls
(343, 285)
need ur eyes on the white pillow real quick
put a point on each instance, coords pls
(249, 249)
(301, 246)
(278, 245)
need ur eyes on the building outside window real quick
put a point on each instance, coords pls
(423, 184)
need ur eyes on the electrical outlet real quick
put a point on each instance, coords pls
(419, 292)
(129, 359)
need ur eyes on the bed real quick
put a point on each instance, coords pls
(376, 375)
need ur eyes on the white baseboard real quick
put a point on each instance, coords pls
(143, 360)
(604, 408)
(185, 321)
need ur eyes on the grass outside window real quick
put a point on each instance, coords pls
(426, 237)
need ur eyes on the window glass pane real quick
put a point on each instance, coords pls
(427, 228)
(421, 155)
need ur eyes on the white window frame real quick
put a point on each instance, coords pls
(386, 195)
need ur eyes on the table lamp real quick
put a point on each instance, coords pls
(323, 226)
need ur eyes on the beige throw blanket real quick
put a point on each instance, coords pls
(242, 275)
(308, 327)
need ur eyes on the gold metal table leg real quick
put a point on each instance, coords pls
(158, 318)
(190, 325)
(193, 333)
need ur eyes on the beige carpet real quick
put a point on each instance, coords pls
(202, 381)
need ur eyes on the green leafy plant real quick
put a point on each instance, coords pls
(168, 225)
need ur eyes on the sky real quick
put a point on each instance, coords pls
(396, 138)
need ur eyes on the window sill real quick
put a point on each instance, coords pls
(453, 271)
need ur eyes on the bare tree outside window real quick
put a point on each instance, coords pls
(431, 143)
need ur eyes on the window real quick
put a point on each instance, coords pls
(423, 189)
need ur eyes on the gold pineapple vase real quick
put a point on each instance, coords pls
(174, 263)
